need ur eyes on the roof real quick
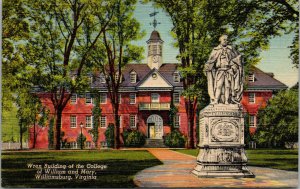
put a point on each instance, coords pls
(142, 71)
(155, 36)
(264, 80)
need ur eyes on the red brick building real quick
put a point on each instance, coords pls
(260, 87)
(146, 94)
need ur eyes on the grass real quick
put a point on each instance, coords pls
(284, 159)
(121, 168)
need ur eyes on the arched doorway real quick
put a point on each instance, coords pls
(155, 126)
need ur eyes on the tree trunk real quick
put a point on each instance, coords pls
(57, 129)
(190, 115)
(117, 126)
(21, 133)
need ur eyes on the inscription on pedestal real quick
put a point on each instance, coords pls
(224, 131)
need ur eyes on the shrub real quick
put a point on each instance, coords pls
(134, 139)
(81, 140)
(175, 139)
(110, 135)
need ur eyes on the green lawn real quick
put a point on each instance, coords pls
(121, 167)
(272, 158)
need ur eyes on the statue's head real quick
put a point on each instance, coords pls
(223, 40)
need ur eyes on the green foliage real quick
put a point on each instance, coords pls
(96, 112)
(278, 122)
(110, 135)
(175, 140)
(172, 114)
(81, 140)
(134, 138)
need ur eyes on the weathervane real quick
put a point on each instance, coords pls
(154, 23)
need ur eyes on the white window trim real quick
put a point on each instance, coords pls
(71, 121)
(254, 121)
(105, 98)
(134, 98)
(90, 123)
(105, 124)
(133, 77)
(75, 99)
(178, 121)
(158, 99)
(130, 121)
(252, 78)
(174, 98)
(102, 78)
(254, 96)
(178, 77)
(90, 97)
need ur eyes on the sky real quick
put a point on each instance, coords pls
(275, 59)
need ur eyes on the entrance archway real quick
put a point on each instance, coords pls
(155, 126)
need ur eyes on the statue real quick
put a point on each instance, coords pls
(224, 71)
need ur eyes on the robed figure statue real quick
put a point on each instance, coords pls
(224, 71)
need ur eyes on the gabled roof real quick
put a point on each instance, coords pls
(263, 80)
(159, 82)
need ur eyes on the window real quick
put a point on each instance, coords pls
(252, 121)
(154, 98)
(88, 144)
(132, 121)
(154, 49)
(176, 77)
(251, 97)
(102, 121)
(73, 145)
(73, 99)
(102, 78)
(251, 77)
(88, 98)
(73, 121)
(88, 121)
(176, 98)
(120, 98)
(117, 76)
(132, 97)
(177, 121)
(133, 77)
(103, 98)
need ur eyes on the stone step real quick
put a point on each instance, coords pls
(154, 143)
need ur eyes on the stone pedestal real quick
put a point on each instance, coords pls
(222, 142)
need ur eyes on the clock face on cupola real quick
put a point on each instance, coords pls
(154, 58)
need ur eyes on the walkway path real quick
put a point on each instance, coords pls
(177, 167)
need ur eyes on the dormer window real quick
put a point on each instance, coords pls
(176, 77)
(251, 77)
(102, 78)
(133, 77)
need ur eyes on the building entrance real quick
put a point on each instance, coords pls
(155, 127)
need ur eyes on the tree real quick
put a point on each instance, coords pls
(29, 106)
(62, 36)
(15, 28)
(278, 122)
(118, 51)
(96, 120)
(197, 25)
